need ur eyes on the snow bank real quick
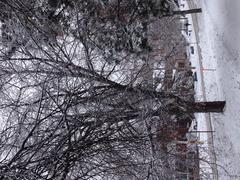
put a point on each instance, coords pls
(219, 26)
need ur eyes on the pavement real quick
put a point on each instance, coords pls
(209, 126)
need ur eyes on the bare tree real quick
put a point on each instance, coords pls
(70, 102)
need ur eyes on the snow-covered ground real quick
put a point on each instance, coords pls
(219, 40)
(207, 165)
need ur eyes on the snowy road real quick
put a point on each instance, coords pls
(207, 118)
(219, 32)
(207, 153)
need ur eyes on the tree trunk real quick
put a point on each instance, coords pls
(204, 107)
(190, 11)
